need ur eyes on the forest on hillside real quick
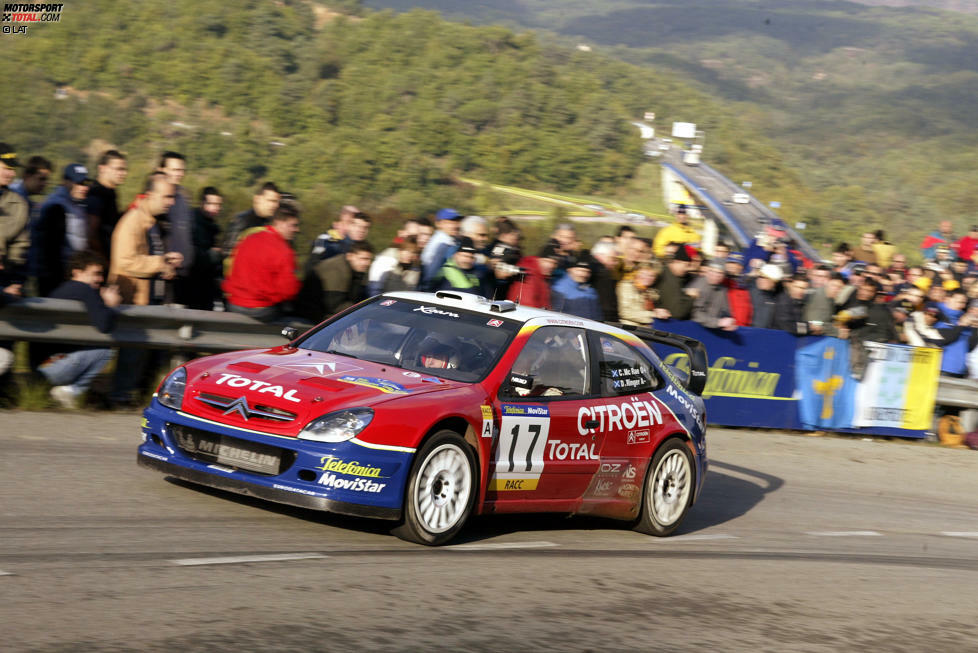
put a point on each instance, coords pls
(872, 107)
(378, 108)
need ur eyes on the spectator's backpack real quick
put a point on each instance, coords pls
(950, 431)
(972, 440)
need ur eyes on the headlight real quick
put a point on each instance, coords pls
(340, 426)
(171, 392)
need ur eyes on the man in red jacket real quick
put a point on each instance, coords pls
(262, 275)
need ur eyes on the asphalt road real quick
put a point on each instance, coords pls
(798, 544)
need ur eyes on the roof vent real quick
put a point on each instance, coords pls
(502, 306)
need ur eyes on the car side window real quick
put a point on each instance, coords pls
(622, 369)
(553, 363)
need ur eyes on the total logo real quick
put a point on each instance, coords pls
(571, 451)
(235, 381)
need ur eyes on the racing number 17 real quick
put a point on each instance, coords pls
(521, 444)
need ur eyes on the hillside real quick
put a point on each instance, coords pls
(382, 109)
(872, 106)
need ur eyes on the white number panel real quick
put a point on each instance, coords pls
(523, 432)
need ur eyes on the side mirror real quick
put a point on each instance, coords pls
(289, 333)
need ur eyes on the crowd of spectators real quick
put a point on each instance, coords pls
(78, 242)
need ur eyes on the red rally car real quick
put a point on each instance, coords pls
(426, 408)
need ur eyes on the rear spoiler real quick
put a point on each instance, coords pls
(694, 349)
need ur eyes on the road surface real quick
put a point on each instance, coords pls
(798, 544)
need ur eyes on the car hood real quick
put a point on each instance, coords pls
(281, 390)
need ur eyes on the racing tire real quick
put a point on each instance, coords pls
(668, 490)
(440, 491)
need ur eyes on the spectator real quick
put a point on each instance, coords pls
(406, 272)
(764, 295)
(921, 329)
(738, 292)
(842, 259)
(883, 249)
(14, 214)
(710, 305)
(789, 308)
(636, 252)
(442, 243)
(504, 255)
(459, 272)
(532, 287)
(262, 277)
(865, 251)
(349, 229)
(943, 236)
(61, 229)
(672, 295)
(604, 278)
(72, 370)
(959, 333)
(34, 181)
(822, 306)
(102, 202)
(10, 291)
(418, 228)
(898, 265)
(178, 226)
(638, 298)
(678, 232)
(140, 265)
(203, 280)
(336, 284)
(969, 244)
(263, 207)
(623, 237)
(572, 294)
(563, 244)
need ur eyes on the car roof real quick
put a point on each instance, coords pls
(504, 310)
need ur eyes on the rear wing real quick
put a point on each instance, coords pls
(694, 349)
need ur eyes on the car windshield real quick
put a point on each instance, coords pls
(426, 338)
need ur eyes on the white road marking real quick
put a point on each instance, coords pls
(959, 533)
(500, 545)
(844, 533)
(694, 537)
(231, 560)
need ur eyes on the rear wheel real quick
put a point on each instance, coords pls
(668, 490)
(440, 490)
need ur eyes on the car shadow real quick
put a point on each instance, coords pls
(729, 492)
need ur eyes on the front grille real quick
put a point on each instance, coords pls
(231, 405)
(230, 451)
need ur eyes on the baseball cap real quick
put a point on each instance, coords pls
(76, 173)
(466, 244)
(579, 262)
(448, 214)
(736, 257)
(8, 156)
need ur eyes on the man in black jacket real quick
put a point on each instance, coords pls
(72, 370)
(673, 296)
(335, 284)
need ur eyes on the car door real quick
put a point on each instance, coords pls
(629, 416)
(543, 452)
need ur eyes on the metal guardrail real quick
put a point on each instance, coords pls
(962, 393)
(157, 327)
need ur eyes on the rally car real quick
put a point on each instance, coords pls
(425, 409)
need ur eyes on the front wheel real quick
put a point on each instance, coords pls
(440, 490)
(668, 490)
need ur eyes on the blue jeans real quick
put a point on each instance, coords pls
(78, 369)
